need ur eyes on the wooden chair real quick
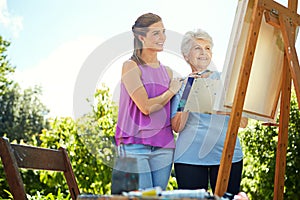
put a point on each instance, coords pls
(15, 156)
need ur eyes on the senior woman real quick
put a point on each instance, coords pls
(201, 136)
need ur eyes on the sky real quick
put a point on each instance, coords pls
(54, 42)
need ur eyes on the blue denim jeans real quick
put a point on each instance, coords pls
(154, 164)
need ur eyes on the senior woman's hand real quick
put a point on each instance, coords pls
(202, 74)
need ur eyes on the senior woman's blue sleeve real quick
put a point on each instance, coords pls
(215, 75)
(175, 101)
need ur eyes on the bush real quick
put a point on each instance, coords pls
(260, 145)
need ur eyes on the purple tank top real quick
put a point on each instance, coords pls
(133, 127)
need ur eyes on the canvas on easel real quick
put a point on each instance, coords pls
(263, 92)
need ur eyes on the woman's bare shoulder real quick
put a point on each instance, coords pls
(129, 65)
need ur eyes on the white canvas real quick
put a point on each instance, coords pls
(261, 101)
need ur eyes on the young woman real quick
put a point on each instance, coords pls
(144, 127)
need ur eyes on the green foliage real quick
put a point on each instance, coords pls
(3, 183)
(96, 132)
(9, 195)
(105, 112)
(6, 69)
(22, 113)
(50, 196)
(260, 145)
(172, 185)
(89, 145)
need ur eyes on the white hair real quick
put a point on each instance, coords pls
(190, 36)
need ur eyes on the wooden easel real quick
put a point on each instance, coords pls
(287, 20)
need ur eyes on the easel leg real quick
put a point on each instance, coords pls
(283, 132)
(239, 99)
(288, 31)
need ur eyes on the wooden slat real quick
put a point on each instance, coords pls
(38, 158)
(69, 175)
(293, 5)
(292, 14)
(272, 19)
(10, 166)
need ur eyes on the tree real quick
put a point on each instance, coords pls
(22, 113)
(5, 67)
(259, 145)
